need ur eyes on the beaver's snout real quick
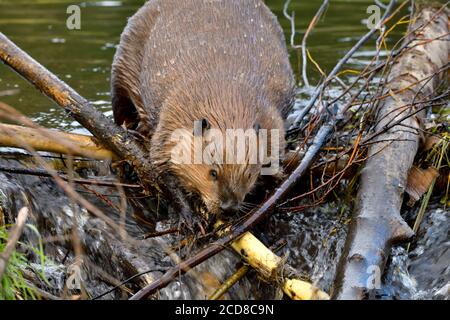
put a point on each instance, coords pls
(229, 207)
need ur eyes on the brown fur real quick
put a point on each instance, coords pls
(220, 60)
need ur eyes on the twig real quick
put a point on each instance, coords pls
(12, 240)
(311, 26)
(125, 282)
(338, 66)
(42, 293)
(291, 19)
(160, 233)
(238, 275)
(45, 173)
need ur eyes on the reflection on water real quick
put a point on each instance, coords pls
(83, 57)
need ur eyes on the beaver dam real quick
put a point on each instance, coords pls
(90, 207)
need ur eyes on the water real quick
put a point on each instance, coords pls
(83, 58)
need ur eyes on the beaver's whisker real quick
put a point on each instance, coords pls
(248, 205)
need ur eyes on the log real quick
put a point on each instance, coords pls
(377, 223)
(48, 140)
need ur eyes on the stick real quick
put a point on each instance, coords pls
(238, 275)
(45, 173)
(311, 26)
(12, 240)
(86, 146)
(377, 224)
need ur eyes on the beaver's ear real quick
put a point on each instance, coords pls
(257, 127)
(205, 126)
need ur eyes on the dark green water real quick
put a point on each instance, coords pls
(83, 57)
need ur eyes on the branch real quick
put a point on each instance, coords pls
(48, 140)
(377, 224)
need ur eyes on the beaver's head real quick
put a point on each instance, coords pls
(218, 146)
(222, 165)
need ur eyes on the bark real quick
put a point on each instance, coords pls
(377, 223)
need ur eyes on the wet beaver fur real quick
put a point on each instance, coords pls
(221, 62)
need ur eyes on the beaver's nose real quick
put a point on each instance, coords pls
(229, 207)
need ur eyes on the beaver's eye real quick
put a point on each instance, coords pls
(267, 165)
(213, 174)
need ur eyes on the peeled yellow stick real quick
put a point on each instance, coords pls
(268, 264)
(52, 141)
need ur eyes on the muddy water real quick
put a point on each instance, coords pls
(316, 236)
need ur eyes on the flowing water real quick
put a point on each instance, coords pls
(83, 58)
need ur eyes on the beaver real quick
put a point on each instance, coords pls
(221, 62)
